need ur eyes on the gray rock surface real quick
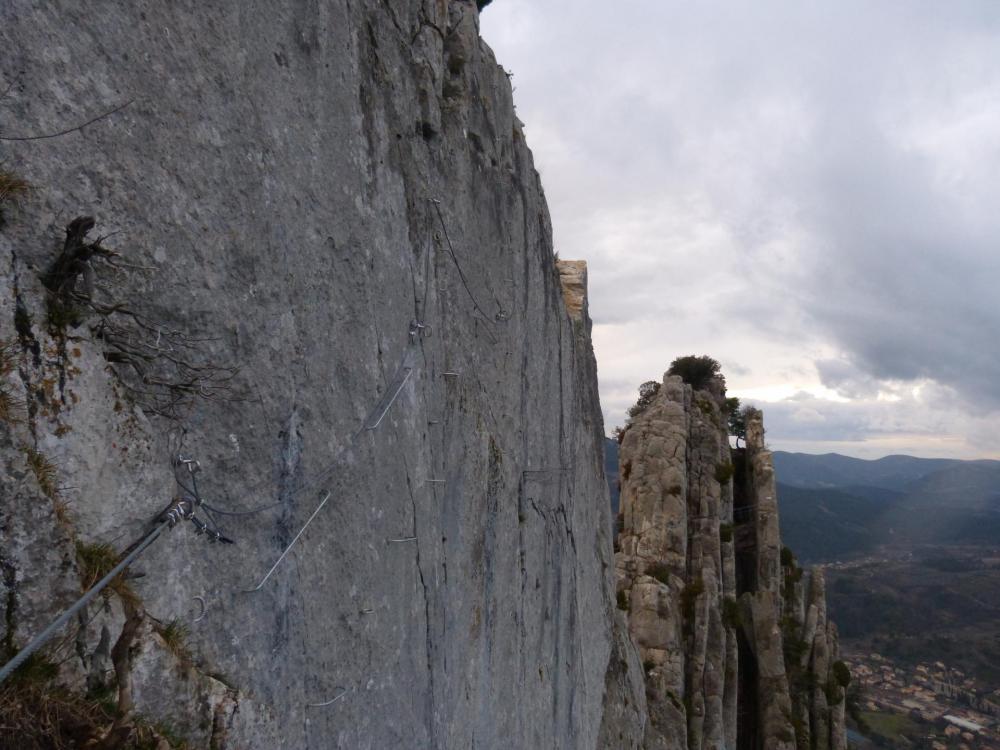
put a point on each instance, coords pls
(271, 188)
(733, 635)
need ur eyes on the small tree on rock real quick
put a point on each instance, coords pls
(746, 413)
(647, 392)
(737, 425)
(694, 370)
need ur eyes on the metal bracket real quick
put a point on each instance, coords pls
(213, 536)
(180, 510)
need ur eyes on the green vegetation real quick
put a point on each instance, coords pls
(689, 598)
(890, 727)
(853, 701)
(725, 532)
(841, 674)
(647, 392)
(659, 571)
(61, 314)
(792, 573)
(36, 669)
(96, 560)
(706, 408)
(834, 693)
(695, 371)
(795, 647)
(723, 472)
(734, 417)
(738, 417)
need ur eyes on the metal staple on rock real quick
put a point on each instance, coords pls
(184, 508)
(371, 422)
(407, 371)
(289, 547)
(374, 419)
(204, 608)
(329, 702)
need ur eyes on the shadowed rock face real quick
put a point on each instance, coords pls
(734, 639)
(276, 170)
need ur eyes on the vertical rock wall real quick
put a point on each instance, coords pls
(727, 626)
(294, 185)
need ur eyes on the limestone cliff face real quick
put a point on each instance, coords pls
(736, 647)
(294, 189)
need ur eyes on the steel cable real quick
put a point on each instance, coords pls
(39, 640)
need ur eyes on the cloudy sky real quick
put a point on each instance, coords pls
(807, 191)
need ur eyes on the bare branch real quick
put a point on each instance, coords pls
(110, 112)
(159, 366)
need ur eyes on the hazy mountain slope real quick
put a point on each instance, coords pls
(968, 484)
(827, 524)
(834, 470)
(835, 506)
(929, 531)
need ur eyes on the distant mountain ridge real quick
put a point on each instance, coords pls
(897, 472)
(834, 506)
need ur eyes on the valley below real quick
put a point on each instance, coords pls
(911, 552)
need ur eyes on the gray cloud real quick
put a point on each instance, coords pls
(808, 190)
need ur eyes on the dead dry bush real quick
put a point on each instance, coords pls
(161, 368)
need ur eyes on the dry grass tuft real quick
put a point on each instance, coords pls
(12, 190)
(36, 714)
(12, 187)
(46, 473)
(174, 635)
(96, 560)
(10, 406)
